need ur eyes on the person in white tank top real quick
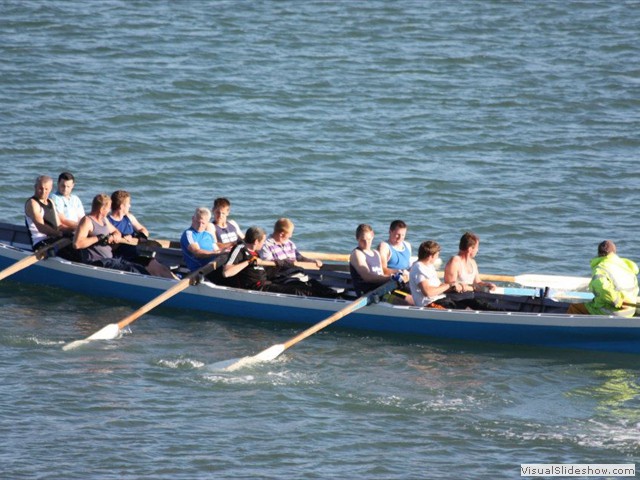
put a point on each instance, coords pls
(463, 268)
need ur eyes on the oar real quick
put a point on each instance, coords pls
(31, 259)
(151, 243)
(275, 350)
(558, 282)
(332, 257)
(112, 330)
(530, 280)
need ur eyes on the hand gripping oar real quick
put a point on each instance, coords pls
(31, 259)
(275, 350)
(112, 330)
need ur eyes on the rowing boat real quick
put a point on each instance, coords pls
(541, 328)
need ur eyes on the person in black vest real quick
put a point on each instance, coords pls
(44, 222)
(365, 263)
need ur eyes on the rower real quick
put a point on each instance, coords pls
(245, 269)
(227, 231)
(426, 288)
(290, 263)
(95, 235)
(67, 202)
(463, 268)
(365, 264)
(132, 234)
(44, 222)
(395, 253)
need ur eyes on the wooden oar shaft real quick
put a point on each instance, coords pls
(497, 278)
(150, 242)
(363, 301)
(177, 288)
(339, 257)
(31, 259)
(332, 257)
(326, 322)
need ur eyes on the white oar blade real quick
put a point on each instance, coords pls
(270, 353)
(75, 344)
(554, 281)
(109, 332)
(264, 356)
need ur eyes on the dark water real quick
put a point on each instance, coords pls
(517, 120)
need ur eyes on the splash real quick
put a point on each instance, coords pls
(181, 363)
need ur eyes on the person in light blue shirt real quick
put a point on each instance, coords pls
(198, 243)
(68, 203)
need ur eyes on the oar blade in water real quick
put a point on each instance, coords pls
(264, 356)
(109, 332)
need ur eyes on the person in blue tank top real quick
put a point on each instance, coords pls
(95, 235)
(132, 233)
(396, 252)
(396, 257)
(127, 224)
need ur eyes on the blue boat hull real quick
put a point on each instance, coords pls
(564, 331)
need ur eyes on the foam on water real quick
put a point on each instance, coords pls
(266, 377)
(181, 363)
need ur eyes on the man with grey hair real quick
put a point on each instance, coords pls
(42, 218)
(198, 243)
(44, 222)
(614, 285)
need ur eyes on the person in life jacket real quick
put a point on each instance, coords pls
(614, 285)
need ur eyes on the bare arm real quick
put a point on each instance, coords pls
(230, 270)
(306, 262)
(451, 270)
(478, 283)
(385, 255)
(359, 262)
(32, 210)
(235, 224)
(137, 226)
(67, 224)
(83, 239)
